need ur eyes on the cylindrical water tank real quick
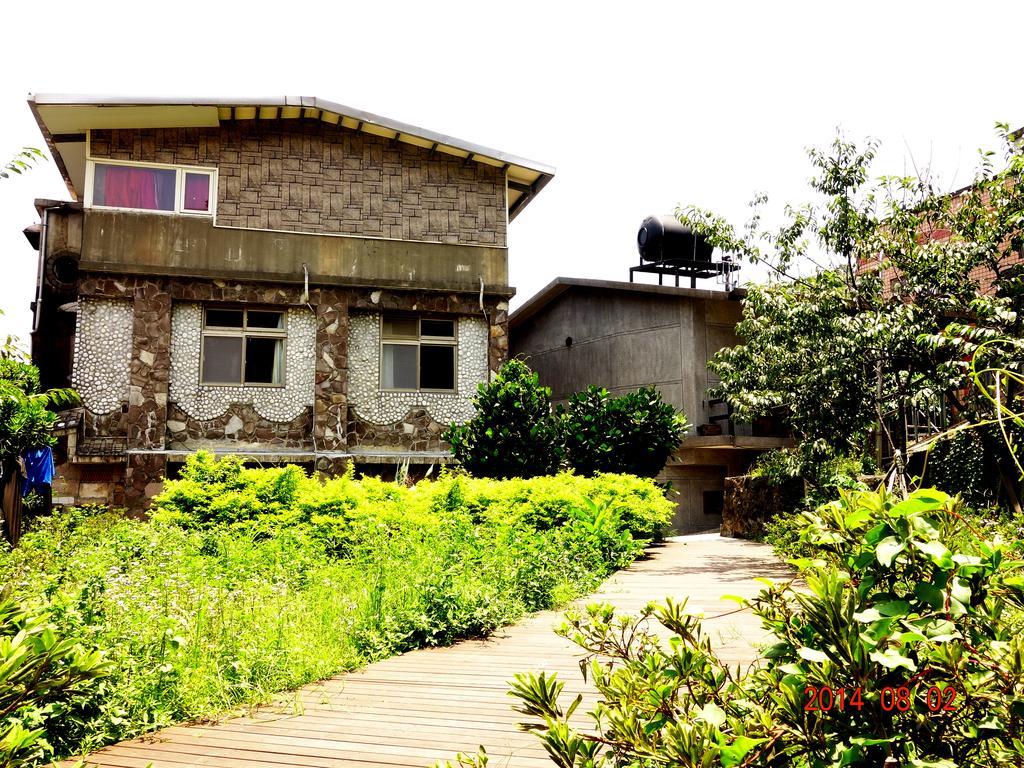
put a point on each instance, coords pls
(662, 238)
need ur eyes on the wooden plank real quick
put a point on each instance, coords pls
(427, 705)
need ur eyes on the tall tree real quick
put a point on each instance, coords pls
(907, 282)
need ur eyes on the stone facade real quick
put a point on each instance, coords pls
(103, 350)
(307, 176)
(417, 430)
(377, 406)
(331, 373)
(275, 404)
(239, 425)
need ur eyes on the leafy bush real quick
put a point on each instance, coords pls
(250, 581)
(41, 675)
(342, 511)
(961, 464)
(634, 434)
(906, 615)
(513, 433)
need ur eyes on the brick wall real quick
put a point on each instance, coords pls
(308, 176)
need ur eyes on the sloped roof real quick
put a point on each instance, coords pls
(64, 119)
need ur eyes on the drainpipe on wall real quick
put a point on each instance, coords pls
(39, 272)
(487, 323)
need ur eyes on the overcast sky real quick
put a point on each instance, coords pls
(639, 106)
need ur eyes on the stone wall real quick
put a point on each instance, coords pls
(103, 351)
(164, 407)
(204, 402)
(750, 502)
(417, 430)
(239, 425)
(307, 176)
(370, 403)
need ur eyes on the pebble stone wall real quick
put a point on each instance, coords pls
(278, 404)
(372, 404)
(103, 351)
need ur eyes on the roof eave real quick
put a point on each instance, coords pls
(544, 172)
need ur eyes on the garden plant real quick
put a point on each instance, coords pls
(515, 432)
(246, 582)
(898, 644)
(908, 283)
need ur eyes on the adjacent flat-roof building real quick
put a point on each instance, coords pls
(578, 332)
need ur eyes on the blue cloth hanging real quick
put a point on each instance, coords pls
(39, 469)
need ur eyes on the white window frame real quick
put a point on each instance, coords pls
(179, 186)
(243, 333)
(438, 341)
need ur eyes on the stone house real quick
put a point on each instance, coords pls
(287, 279)
(622, 336)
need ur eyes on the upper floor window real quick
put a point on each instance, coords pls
(417, 354)
(243, 346)
(172, 189)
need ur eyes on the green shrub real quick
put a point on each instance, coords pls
(42, 675)
(633, 434)
(513, 433)
(909, 612)
(960, 464)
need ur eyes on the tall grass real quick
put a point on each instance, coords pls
(201, 614)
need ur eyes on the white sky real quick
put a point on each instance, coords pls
(639, 106)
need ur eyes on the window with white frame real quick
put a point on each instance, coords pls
(148, 187)
(417, 353)
(243, 346)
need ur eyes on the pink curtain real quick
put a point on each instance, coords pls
(197, 192)
(130, 187)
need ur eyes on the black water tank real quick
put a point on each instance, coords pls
(665, 239)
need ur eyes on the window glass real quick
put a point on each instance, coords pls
(437, 367)
(401, 327)
(197, 192)
(260, 319)
(264, 360)
(398, 366)
(123, 186)
(438, 328)
(222, 359)
(224, 318)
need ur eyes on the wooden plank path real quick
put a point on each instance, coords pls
(426, 705)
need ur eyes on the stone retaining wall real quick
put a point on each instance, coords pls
(751, 501)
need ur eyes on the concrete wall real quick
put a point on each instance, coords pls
(308, 176)
(622, 341)
(191, 246)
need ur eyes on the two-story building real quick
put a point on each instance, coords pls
(287, 279)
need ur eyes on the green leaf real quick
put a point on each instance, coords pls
(910, 637)
(735, 752)
(930, 594)
(919, 502)
(887, 549)
(960, 591)
(713, 714)
(894, 608)
(868, 615)
(936, 552)
(893, 659)
(855, 519)
(811, 654)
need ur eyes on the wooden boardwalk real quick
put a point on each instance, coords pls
(427, 705)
